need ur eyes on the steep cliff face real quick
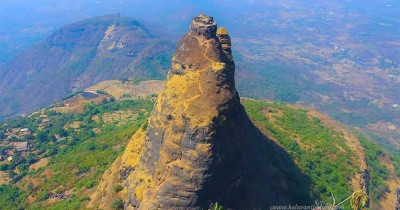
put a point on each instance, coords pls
(199, 145)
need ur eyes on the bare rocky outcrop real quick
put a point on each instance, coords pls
(199, 146)
(365, 185)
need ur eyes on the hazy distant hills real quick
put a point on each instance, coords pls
(79, 55)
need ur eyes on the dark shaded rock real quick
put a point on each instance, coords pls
(204, 26)
(365, 185)
(398, 200)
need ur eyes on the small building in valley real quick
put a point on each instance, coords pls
(22, 146)
(89, 94)
(61, 139)
(46, 120)
(24, 132)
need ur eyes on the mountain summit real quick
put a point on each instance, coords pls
(199, 146)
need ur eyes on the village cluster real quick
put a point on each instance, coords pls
(20, 147)
(17, 141)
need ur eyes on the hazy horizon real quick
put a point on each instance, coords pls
(23, 24)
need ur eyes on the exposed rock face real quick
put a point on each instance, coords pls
(365, 185)
(199, 146)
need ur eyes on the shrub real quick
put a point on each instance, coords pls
(216, 206)
(43, 136)
(12, 174)
(126, 95)
(89, 184)
(117, 204)
(3, 167)
(85, 198)
(145, 124)
(153, 95)
(42, 196)
(118, 188)
(102, 92)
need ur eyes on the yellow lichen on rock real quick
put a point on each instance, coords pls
(140, 191)
(134, 149)
(183, 165)
(193, 153)
(142, 180)
(203, 148)
(159, 102)
(139, 178)
(178, 84)
(218, 66)
(222, 31)
(105, 193)
(185, 91)
(176, 66)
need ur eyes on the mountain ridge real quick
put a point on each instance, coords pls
(78, 56)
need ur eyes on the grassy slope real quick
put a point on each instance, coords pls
(320, 151)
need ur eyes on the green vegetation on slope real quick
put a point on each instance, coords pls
(11, 198)
(319, 151)
(80, 146)
(378, 172)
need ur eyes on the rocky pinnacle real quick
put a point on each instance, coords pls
(199, 147)
(187, 122)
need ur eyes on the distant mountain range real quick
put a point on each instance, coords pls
(79, 55)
